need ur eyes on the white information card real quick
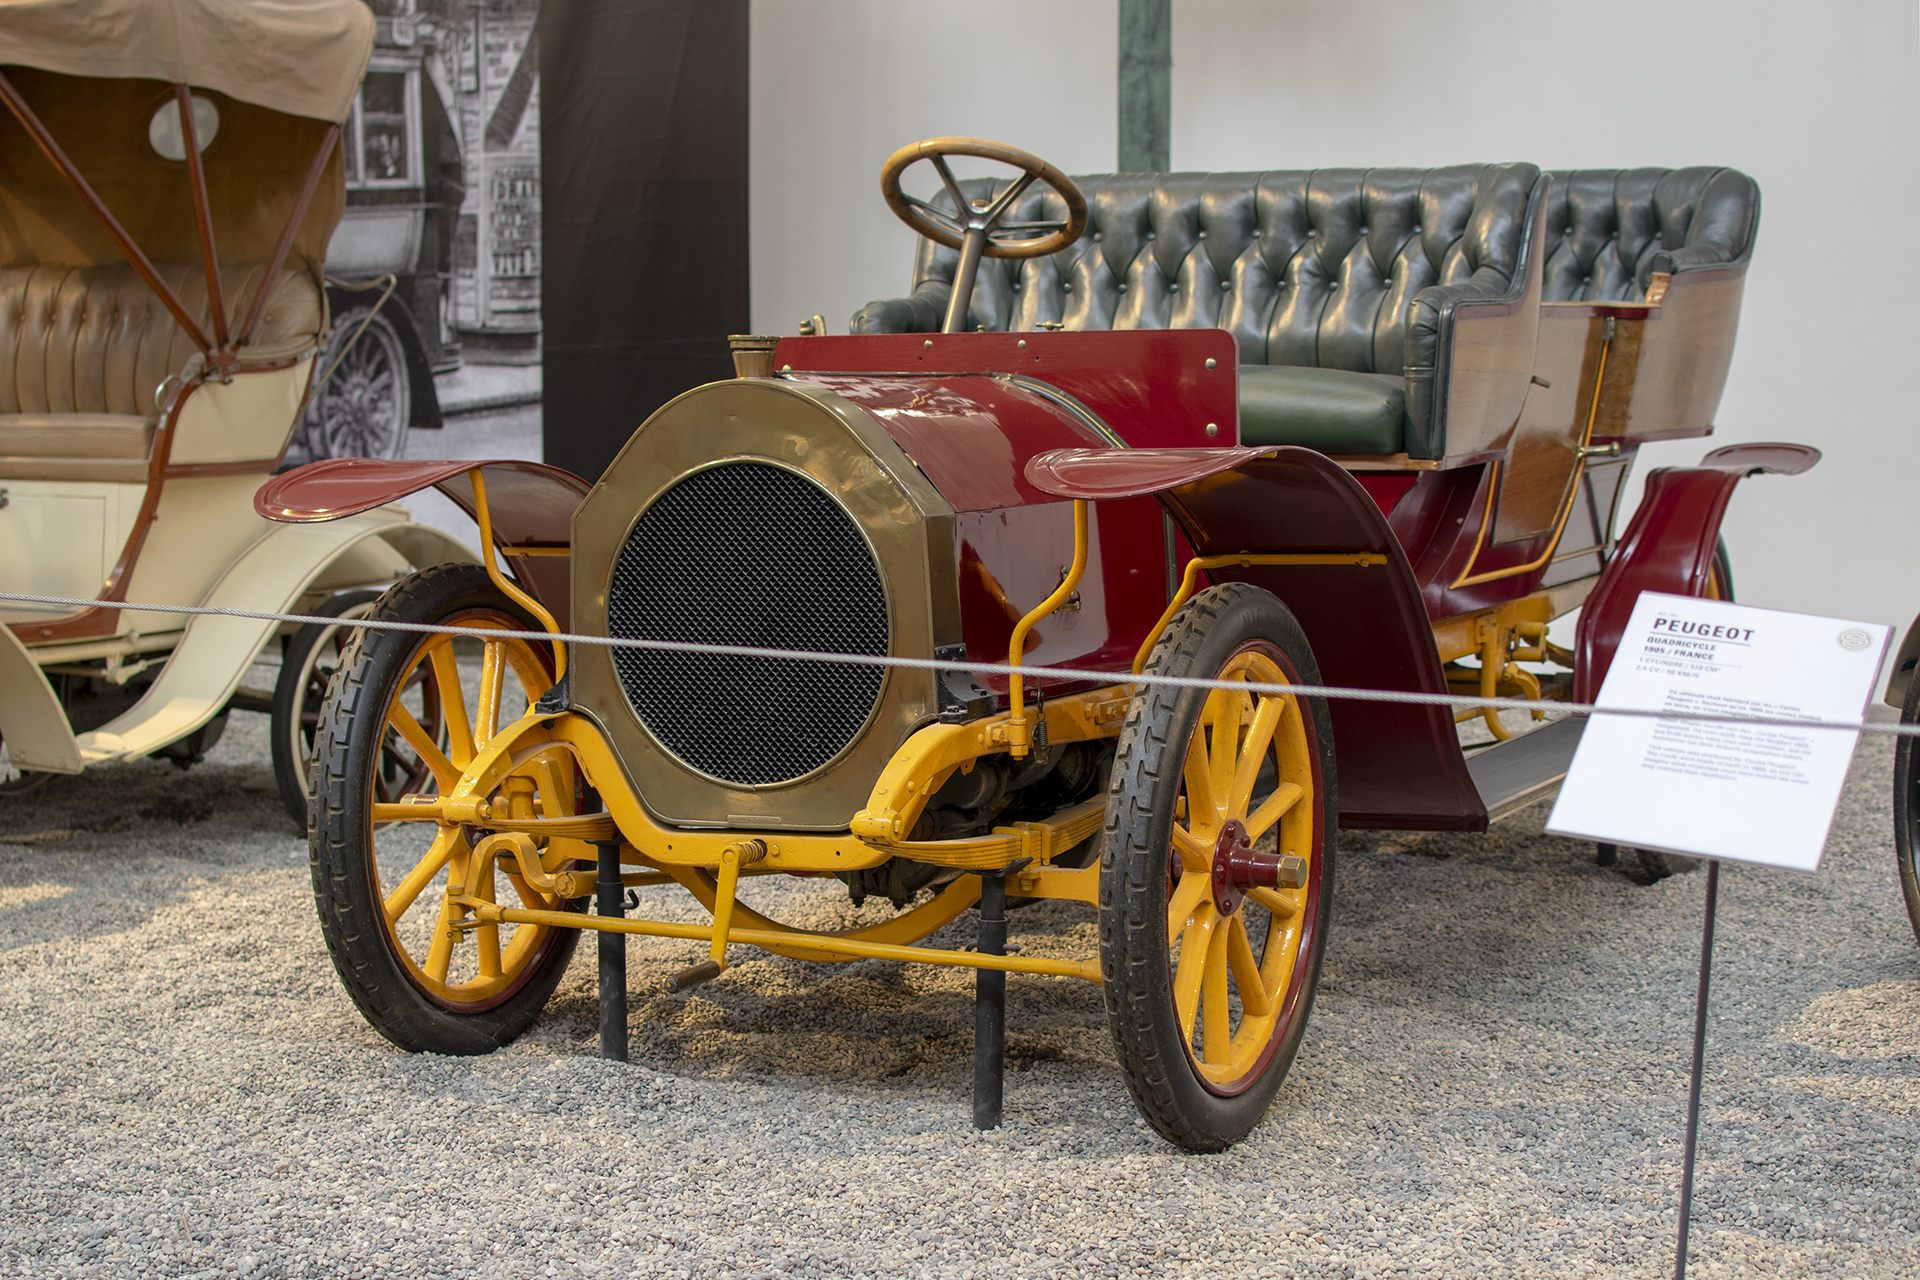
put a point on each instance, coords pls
(1742, 792)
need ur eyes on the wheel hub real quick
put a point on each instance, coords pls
(1238, 867)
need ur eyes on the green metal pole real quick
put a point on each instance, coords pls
(1146, 85)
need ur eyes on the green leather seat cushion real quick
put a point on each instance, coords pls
(1332, 410)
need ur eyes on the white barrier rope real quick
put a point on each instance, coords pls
(1072, 674)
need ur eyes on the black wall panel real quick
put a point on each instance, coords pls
(643, 131)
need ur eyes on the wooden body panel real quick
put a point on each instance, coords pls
(1666, 365)
(1486, 364)
(1544, 451)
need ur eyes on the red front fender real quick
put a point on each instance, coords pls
(1400, 764)
(530, 506)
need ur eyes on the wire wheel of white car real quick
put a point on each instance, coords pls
(362, 411)
(1216, 881)
(312, 656)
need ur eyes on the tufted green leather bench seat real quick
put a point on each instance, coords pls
(1609, 230)
(1332, 410)
(1337, 284)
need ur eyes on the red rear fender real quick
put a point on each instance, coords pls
(1669, 545)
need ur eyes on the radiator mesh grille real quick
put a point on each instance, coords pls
(750, 554)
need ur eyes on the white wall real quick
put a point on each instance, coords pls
(1817, 102)
(840, 85)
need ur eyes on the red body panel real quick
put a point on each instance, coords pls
(1445, 522)
(974, 431)
(1153, 387)
(1667, 547)
(1017, 555)
(973, 436)
(955, 428)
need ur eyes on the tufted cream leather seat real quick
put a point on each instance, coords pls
(1335, 282)
(83, 351)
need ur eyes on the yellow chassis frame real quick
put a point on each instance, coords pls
(480, 797)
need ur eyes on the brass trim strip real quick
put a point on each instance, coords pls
(1072, 407)
(1385, 462)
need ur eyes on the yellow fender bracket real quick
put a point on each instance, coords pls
(930, 756)
(32, 722)
(214, 652)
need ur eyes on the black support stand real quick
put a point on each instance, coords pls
(1699, 1061)
(610, 901)
(990, 1006)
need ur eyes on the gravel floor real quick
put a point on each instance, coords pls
(1493, 1083)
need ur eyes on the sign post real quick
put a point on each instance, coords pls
(1708, 786)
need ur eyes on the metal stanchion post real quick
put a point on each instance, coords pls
(990, 1006)
(1699, 1061)
(610, 901)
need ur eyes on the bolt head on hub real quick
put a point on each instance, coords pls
(1238, 867)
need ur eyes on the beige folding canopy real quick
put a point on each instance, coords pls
(303, 57)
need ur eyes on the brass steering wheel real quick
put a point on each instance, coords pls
(981, 230)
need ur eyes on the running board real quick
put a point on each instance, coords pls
(1526, 770)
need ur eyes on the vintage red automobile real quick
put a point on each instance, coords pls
(1363, 428)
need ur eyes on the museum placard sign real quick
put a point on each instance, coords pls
(1741, 792)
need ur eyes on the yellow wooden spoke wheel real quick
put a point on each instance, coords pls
(1217, 880)
(412, 710)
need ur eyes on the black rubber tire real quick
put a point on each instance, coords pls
(1649, 866)
(1722, 582)
(1643, 866)
(341, 849)
(298, 695)
(1135, 950)
(1906, 808)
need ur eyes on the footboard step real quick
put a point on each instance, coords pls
(1525, 770)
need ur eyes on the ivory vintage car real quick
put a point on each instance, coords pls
(1356, 428)
(162, 234)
